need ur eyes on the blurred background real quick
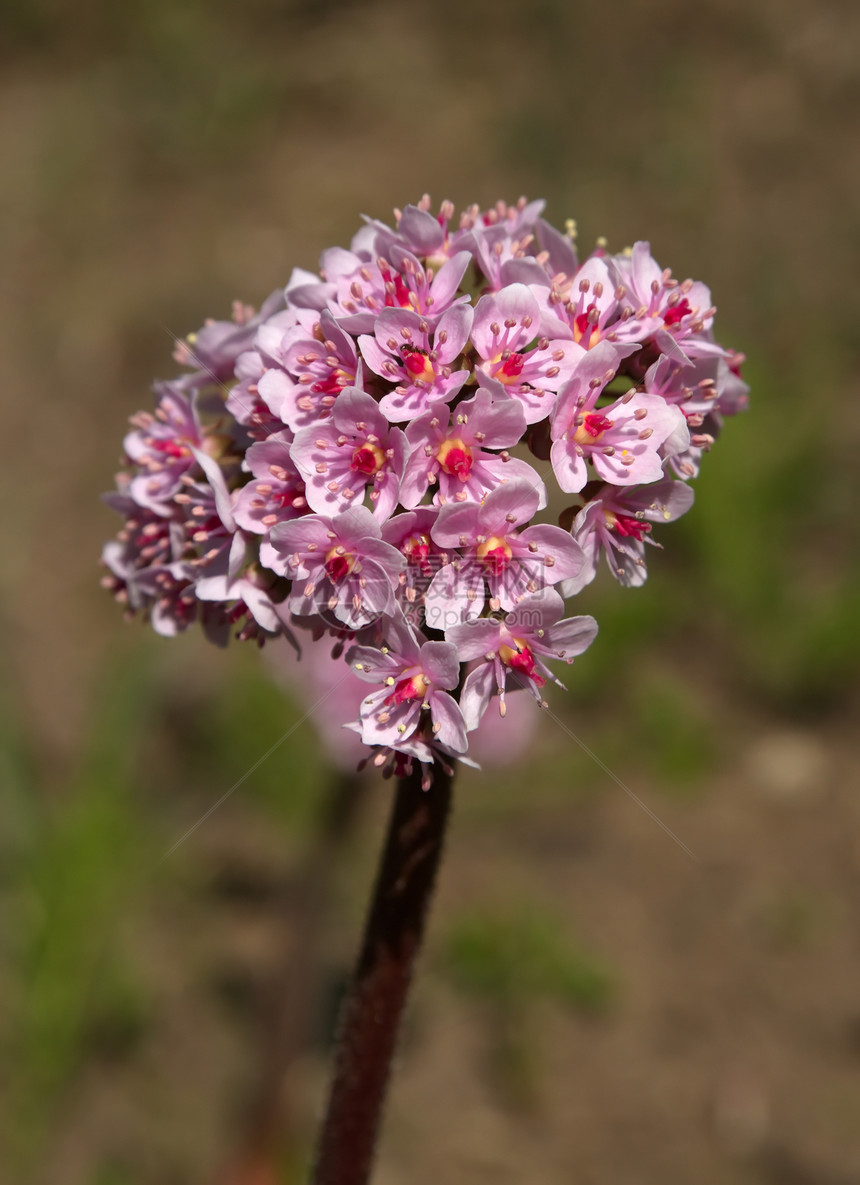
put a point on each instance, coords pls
(593, 1004)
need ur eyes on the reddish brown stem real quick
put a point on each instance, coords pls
(372, 1011)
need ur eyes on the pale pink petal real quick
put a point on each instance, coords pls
(441, 664)
(448, 723)
(505, 508)
(478, 690)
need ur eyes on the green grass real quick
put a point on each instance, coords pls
(83, 860)
(507, 960)
(75, 873)
(509, 964)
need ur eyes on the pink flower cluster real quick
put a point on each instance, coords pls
(365, 458)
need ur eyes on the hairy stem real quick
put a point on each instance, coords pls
(373, 1007)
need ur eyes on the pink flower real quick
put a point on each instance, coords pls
(410, 534)
(278, 493)
(215, 347)
(162, 444)
(212, 528)
(408, 352)
(457, 456)
(510, 650)
(168, 597)
(511, 354)
(483, 336)
(651, 301)
(413, 700)
(622, 441)
(148, 563)
(320, 675)
(361, 285)
(161, 570)
(617, 522)
(338, 566)
(247, 601)
(244, 402)
(505, 241)
(308, 368)
(585, 304)
(355, 448)
(429, 237)
(699, 387)
(489, 551)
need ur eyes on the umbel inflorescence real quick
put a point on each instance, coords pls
(351, 459)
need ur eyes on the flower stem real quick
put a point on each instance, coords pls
(372, 1010)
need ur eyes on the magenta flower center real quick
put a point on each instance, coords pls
(520, 658)
(368, 459)
(583, 327)
(397, 293)
(677, 313)
(333, 383)
(510, 368)
(338, 564)
(626, 526)
(455, 457)
(417, 363)
(417, 548)
(288, 497)
(592, 428)
(171, 448)
(414, 687)
(495, 554)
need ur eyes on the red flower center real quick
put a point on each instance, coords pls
(401, 294)
(495, 554)
(414, 687)
(520, 658)
(677, 313)
(338, 564)
(592, 428)
(585, 331)
(171, 448)
(368, 459)
(417, 549)
(628, 527)
(417, 363)
(455, 457)
(333, 383)
(511, 368)
(594, 423)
